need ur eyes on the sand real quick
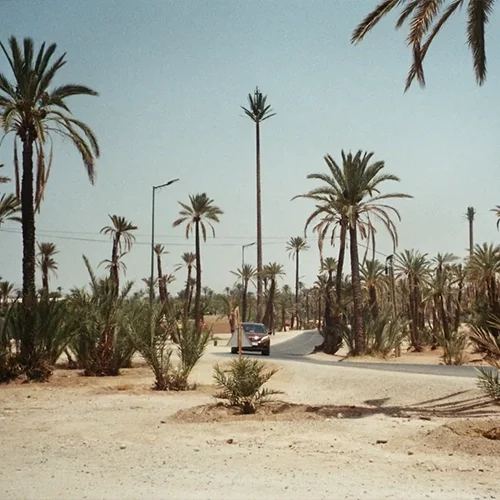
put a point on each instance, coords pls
(408, 436)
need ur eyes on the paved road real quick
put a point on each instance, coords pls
(298, 348)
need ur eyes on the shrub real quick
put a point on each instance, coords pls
(453, 348)
(384, 334)
(151, 331)
(101, 344)
(489, 382)
(242, 384)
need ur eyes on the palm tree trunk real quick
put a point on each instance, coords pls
(45, 279)
(359, 334)
(267, 319)
(471, 237)
(29, 238)
(296, 310)
(197, 298)
(244, 301)
(444, 318)
(259, 224)
(373, 302)
(187, 295)
(115, 277)
(161, 283)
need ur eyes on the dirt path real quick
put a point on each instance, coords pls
(113, 438)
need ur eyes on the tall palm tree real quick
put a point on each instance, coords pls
(200, 211)
(496, 211)
(188, 261)
(425, 19)
(470, 215)
(246, 274)
(353, 191)
(46, 262)
(34, 112)
(271, 272)
(121, 235)
(162, 285)
(258, 112)
(294, 246)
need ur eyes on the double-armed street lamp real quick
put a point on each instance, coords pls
(151, 285)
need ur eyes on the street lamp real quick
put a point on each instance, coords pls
(243, 255)
(151, 286)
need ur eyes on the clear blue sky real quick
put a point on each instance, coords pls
(172, 77)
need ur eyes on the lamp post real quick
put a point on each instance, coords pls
(151, 285)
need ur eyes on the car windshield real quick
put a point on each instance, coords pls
(254, 328)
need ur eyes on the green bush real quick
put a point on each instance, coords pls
(489, 382)
(242, 384)
(101, 344)
(453, 348)
(151, 331)
(384, 334)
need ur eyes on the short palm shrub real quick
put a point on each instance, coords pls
(454, 348)
(51, 335)
(488, 344)
(241, 384)
(152, 330)
(101, 344)
(384, 334)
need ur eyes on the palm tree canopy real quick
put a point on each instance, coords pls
(328, 265)
(425, 19)
(484, 263)
(352, 193)
(470, 214)
(46, 252)
(201, 209)
(34, 111)
(257, 109)
(188, 260)
(246, 273)
(295, 245)
(272, 271)
(120, 232)
(159, 250)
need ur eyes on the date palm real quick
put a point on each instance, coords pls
(121, 235)
(271, 272)
(35, 111)
(246, 274)
(162, 285)
(375, 282)
(196, 215)
(188, 261)
(425, 19)
(258, 111)
(294, 246)
(7, 289)
(46, 262)
(353, 192)
(470, 216)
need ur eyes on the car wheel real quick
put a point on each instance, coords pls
(265, 352)
(234, 350)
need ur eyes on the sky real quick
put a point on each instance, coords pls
(171, 77)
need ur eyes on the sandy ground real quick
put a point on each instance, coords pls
(114, 438)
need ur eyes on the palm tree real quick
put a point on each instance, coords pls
(6, 291)
(121, 235)
(257, 111)
(46, 262)
(166, 280)
(159, 251)
(425, 19)
(414, 266)
(246, 274)
(470, 215)
(200, 211)
(188, 261)
(496, 211)
(271, 272)
(353, 192)
(374, 280)
(294, 246)
(34, 113)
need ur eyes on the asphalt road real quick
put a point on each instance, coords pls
(299, 348)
